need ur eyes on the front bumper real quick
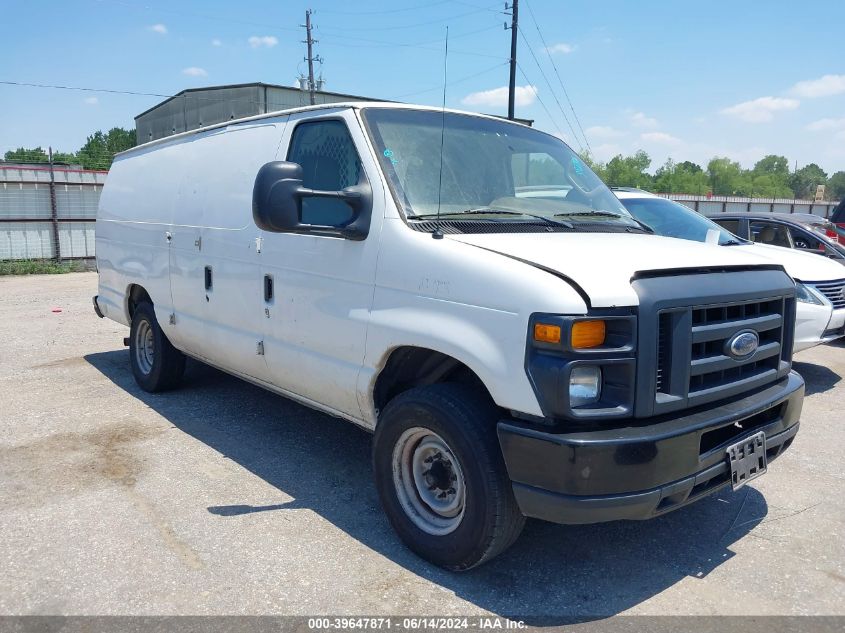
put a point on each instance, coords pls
(836, 327)
(811, 323)
(648, 468)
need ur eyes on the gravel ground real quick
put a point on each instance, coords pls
(221, 498)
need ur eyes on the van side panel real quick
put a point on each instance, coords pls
(133, 219)
(215, 240)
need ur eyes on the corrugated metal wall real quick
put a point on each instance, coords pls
(729, 204)
(48, 214)
(197, 108)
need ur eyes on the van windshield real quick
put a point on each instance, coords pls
(492, 171)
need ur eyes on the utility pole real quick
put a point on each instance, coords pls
(310, 41)
(514, 27)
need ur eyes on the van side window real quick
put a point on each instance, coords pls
(329, 161)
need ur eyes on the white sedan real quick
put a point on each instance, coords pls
(817, 319)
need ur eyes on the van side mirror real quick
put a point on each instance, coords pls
(277, 203)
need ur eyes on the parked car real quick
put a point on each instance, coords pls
(820, 314)
(783, 230)
(513, 356)
(837, 216)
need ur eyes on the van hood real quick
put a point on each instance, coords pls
(603, 264)
(798, 264)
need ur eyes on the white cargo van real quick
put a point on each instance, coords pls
(514, 355)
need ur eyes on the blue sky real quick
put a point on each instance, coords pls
(683, 79)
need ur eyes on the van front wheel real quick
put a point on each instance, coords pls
(156, 364)
(441, 478)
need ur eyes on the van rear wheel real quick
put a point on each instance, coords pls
(156, 364)
(441, 478)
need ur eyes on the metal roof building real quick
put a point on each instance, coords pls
(196, 107)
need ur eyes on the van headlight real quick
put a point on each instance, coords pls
(805, 295)
(584, 385)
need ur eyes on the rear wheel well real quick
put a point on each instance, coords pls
(409, 367)
(135, 295)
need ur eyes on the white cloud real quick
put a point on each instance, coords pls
(660, 137)
(194, 71)
(267, 41)
(822, 87)
(161, 29)
(603, 132)
(760, 110)
(606, 151)
(827, 124)
(639, 119)
(523, 96)
(561, 47)
(91, 101)
(216, 42)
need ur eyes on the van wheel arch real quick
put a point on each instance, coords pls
(135, 295)
(409, 366)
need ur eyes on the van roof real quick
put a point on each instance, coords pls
(325, 106)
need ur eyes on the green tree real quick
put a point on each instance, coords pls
(836, 186)
(773, 165)
(685, 177)
(38, 155)
(726, 177)
(65, 157)
(629, 171)
(100, 148)
(769, 178)
(804, 181)
(23, 155)
(599, 168)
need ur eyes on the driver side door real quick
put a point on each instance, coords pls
(317, 311)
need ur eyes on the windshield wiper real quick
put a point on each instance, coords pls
(493, 211)
(607, 214)
(732, 243)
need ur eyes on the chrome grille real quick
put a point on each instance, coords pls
(833, 290)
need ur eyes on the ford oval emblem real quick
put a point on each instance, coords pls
(742, 344)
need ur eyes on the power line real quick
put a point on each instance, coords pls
(453, 82)
(551, 59)
(382, 43)
(414, 25)
(203, 16)
(418, 44)
(551, 118)
(426, 5)
(551, 90)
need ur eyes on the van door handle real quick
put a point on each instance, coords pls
(268, 288)
(208, 280)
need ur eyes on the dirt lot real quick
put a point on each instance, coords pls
(221, 498)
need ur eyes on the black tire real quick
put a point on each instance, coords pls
(465, 419)
(161, 369)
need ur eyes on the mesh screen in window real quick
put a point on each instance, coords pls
(329, 161)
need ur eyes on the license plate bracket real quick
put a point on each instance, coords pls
(747, 459)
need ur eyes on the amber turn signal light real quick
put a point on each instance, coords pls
(587, 334)
(544, 333)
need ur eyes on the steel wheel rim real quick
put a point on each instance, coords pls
(429, 481)
(144, 347)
